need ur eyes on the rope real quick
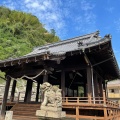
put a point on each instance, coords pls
(31, 78)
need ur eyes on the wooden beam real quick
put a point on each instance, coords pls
(25, 59)
(31, 72)
(75, 67)
(3, 108)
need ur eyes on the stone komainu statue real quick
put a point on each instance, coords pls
(51, 95)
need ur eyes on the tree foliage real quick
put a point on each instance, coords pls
(20, 32)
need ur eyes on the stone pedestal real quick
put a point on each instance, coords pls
(49, 108)
(50, 114)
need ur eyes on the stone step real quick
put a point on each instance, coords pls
(23, 117)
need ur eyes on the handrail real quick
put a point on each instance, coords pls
(97, 100)
(80, 100)
(112, 103)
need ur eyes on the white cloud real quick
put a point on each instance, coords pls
(85, 5)
(56, 14)
(27, 1)
(47, 4)
(10, 4)
(89, 17)
(117, 25)
(86, 22)
(110, 9)
(35, 5)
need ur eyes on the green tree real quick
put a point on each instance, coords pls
(20, 32)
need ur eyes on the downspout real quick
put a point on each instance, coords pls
(93, 90)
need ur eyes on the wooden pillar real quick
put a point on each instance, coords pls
(104, 102)
(37, 91)
(63, 83)
(100, 87)
(28, 91)
(77, 92)
(96, 85)
(89, 82)
(104, 86)
(67, 91)
(3, 107)
(85, 90)
(73, 92)
(105, 114)
(77, 113)
(45, 78)
(13, 91)
(107, 89)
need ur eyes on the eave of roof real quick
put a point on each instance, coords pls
(41, 51)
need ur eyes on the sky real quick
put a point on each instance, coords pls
(72, 18)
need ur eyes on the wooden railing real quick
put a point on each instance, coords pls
(89, 101)
(81, 100)
(85, 100)
(110, 103)
(110, 109)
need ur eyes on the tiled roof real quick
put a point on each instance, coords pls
(68, 45)
(114, 82)
(60, 48)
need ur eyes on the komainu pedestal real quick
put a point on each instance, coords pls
(51, 106)
(51, 113)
